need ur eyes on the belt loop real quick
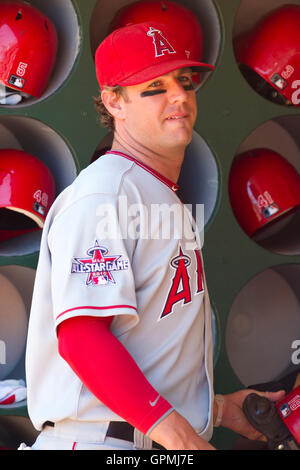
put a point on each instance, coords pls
(141, 441)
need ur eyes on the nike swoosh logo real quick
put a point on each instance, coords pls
(153, 403)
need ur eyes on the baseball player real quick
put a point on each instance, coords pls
(119, 352)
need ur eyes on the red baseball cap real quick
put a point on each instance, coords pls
(140, 52)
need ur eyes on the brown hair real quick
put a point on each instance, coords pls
(106, 119)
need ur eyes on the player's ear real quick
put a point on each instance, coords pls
(113, 102)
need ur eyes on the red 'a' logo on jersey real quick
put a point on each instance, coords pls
(181, 283)
(161, 44)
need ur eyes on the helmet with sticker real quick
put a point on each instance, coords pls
(27, 190)
(263, 187)
(28, 48)
(269, 55)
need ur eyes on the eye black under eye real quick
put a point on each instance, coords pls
(152, 92)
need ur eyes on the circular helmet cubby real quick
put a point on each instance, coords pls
(49, 150)
(265, 193)
(47, 42)
(266, 47)
(16, 284)
(104, 15)
(263, 325)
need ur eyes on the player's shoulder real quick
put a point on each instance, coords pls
(100, 181)
(103, 176)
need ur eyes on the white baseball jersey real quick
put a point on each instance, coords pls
(119, 242)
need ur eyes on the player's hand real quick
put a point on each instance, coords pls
(175, 433)
(234, 418)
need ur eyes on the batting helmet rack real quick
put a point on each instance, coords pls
(62, 129)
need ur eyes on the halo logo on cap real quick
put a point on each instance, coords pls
(161, 44)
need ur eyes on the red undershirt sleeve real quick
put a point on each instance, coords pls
(106, 368)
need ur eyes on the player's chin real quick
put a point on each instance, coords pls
(183, 136)
(176, 144)
(180, 126)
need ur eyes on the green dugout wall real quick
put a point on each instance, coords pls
(253, 284)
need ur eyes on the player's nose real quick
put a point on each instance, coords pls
(176, 91)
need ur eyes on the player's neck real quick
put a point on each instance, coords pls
(168, 165)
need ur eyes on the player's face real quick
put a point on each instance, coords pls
(160, 114)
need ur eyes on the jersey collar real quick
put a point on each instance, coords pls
(155, 173)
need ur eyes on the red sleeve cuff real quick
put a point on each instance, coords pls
(155, 414)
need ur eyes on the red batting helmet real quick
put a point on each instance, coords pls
(27, 190)
(161, 11)
(263, 186)
(289, 411)
(176, 16)
(269, 55)
(28, 46)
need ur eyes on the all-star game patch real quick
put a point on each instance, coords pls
(99, 266)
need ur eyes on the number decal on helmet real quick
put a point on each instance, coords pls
(296, 94)
(21, 69)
